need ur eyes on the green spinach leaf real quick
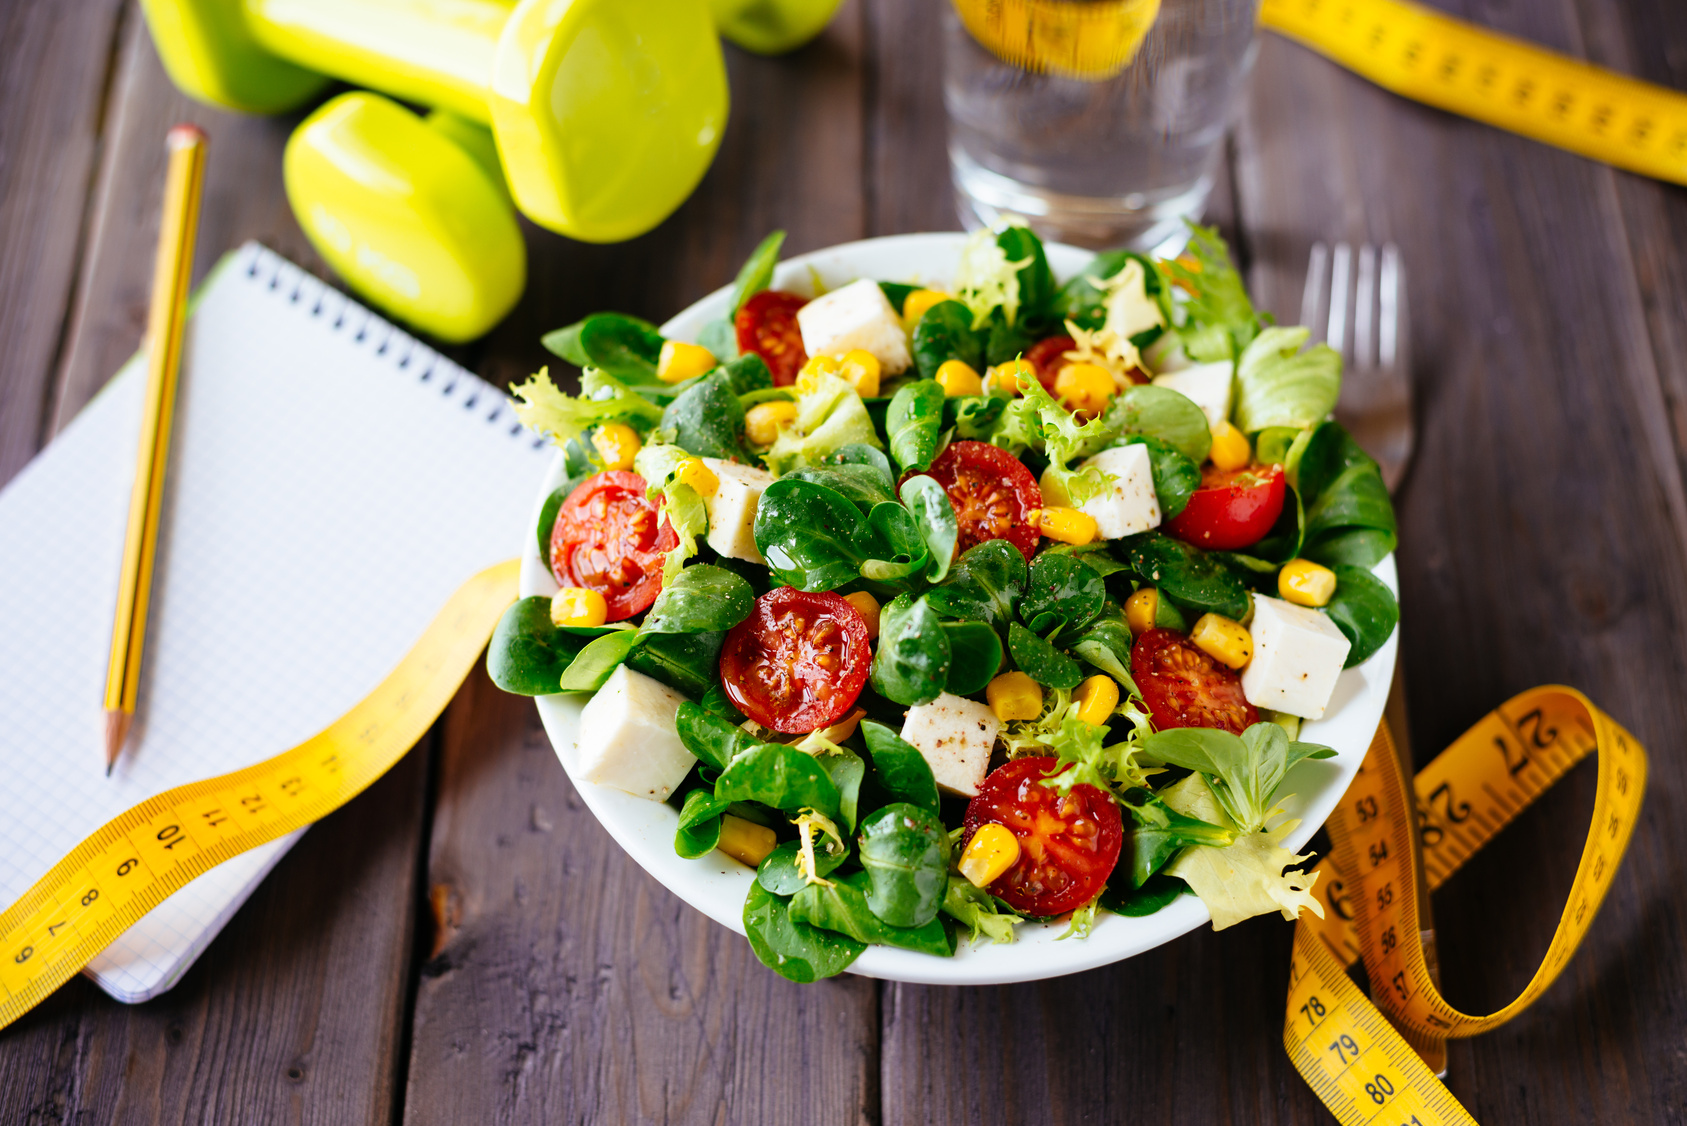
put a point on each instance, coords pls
(1157, 412)
(699, 824)
(905, 852)
(984, 584)
(843, 908)
(780, 875)
(913, 422)
(813, 537)
(790, 948)
(1175, 476)
(1041, 661)
(911, 665)
(943, 334)
(598, 661)
(934, 516)
(901, 769)
(714, 740)
(1160, 890)
(700, 600)
(1349, 518)
(1036, 280)
(780, 776)
(625, 347)
(756, 274)
(1242, 771)
(1364, 609)
(1160, 831)
(708, 420)
(862, 484)
(901, 549)
(1189, 576)
(527, 654)
(683, 661)
(975, 656)
(1060, 593)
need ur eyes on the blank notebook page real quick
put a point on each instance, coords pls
(331, 482)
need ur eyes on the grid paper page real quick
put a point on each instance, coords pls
(331, 482)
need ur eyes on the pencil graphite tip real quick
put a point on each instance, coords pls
(116, 731)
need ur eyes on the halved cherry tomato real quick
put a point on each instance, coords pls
(1048, 357)
(994, 495)
(1183, 687)
(1067, 845)
(767, 325)
(1232, 509)
(610, 538)
(798, 662)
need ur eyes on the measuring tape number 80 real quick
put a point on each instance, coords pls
(1368, 1067)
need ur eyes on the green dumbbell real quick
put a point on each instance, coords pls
(413, 214)
(606, 113)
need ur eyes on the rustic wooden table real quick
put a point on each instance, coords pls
(465, 944)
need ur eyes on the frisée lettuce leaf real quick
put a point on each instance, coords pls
(545, 409)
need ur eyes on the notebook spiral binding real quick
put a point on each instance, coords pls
(403, 352)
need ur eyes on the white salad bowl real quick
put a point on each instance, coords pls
(717, 885)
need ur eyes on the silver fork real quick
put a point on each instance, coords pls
(1376, 390)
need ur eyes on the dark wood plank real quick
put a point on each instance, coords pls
(292, 1015)
(297, 1010)
(567, 984)
(55, 63)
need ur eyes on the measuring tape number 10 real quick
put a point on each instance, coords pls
(146, 854)
(1366, 1060)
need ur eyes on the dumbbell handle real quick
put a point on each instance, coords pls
(432, 53)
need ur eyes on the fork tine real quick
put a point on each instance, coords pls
(1341, 268)
(1388, 335)
(1312, 298)
(1364, 308)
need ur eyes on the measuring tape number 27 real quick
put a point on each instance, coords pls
(144, 855)
(1368, 1067)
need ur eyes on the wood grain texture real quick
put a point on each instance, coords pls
(55, 63)
(568, 985)
(1541, 529)
(293, 1015)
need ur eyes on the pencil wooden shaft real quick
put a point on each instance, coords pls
(183, 181)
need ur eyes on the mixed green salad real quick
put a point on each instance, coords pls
(945, 610)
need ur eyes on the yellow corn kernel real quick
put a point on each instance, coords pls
(957, 378)
(860, 369)
(1230, 447)
(844, 728)
(1007, 377)
(917, 303)
(820, 365)
(578, 606)
(993, 850)
(745, 841)
(1068, 525)
(1227, 642)
(617, 443)
(700, 477)
(1305, 583)
(1141, 609)
(680, 361)
(1097, 697)
(868, 607)
(763, 421)
(1013, 695)
(1084, 387)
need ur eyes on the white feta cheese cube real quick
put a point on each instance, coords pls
(1129, 505)
(955, 736)
(857, 316)
(627, 737)
(1298, 655)
(1207, 385)
(732, 509)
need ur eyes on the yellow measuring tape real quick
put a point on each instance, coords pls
(1412, 50)
(138, 859)
(1361, 1062)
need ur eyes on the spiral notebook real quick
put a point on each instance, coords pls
(332, 481)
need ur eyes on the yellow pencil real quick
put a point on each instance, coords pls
(184, 179)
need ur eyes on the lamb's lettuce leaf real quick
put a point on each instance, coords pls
(1279, 385)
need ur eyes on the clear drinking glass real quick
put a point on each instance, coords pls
(1115, 161)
